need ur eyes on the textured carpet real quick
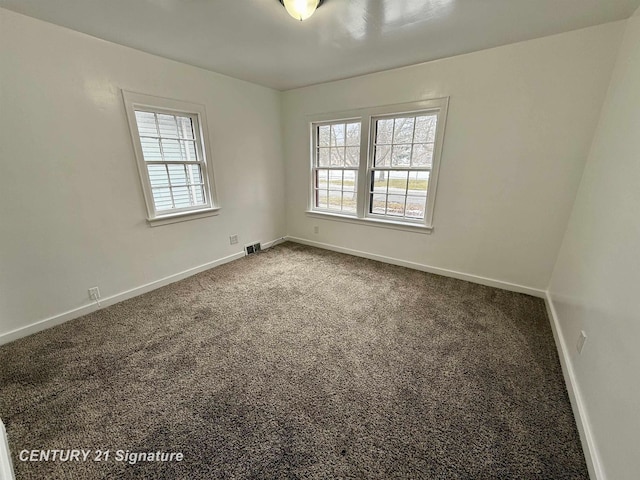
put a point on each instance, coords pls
(299, 363)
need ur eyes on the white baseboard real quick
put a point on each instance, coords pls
(119, 297)
(6, 467)
(577, 404)
(273, 243)
(490, 282)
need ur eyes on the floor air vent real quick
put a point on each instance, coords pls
(253, 248)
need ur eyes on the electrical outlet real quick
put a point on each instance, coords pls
(316, 229)
(94, 293)
(582, 339)
(233, 239)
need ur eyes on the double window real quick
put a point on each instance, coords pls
(172, 154)
(387, 176)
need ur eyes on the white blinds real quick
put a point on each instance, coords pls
(174, 163)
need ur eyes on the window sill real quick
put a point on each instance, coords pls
(371, 222)
(182, 217)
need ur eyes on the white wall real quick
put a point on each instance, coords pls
(521, 119)
(596, 283)
(72, 213)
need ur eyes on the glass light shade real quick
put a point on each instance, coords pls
(301, 9)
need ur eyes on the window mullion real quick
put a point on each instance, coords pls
(172, 162)
(155, 116)
(173, 203)
(342, 184)
(363, 167)
(406, 191)
(413, 139)
(192, 188)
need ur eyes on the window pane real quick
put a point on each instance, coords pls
(185, 127)
(426, 129)
(335, 200)
(168, 126)
(151, 149)
(401, 156)
(337, 157)
(349, 202)
(337, 135)
(322, 178)
(380, 181)
(398, 181)
(384, 131)
(383, 156)
(335, 179)
(395, 205)
(162, 198)
(403, 130)
(349, 182)
(177, 174)
(422, 155)
(353, 157)
(199, 194)
(324, 157)
(324, 134)
(181, 197)
(171, 150)
(189, 150)
(378, 203)
(194, 174)
(415, 207)
(353, 134)
(321, 199)
(158, 176)
(418, 183)
(146, 124)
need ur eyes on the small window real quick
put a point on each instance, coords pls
(172, 156)
(387, 178)
(336, 163)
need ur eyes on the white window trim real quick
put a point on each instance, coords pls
(367, 117)
(132, 101)
(314, 161)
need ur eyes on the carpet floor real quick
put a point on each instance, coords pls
(298, 363)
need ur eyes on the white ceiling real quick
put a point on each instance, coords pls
(257, 40)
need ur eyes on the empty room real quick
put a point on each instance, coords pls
(335, 239)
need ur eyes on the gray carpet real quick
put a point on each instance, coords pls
(299, 363)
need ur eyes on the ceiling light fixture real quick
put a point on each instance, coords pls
(301, 9)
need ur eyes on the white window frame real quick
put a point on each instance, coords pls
(367, 117)
(137, 101)
(315, 161)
